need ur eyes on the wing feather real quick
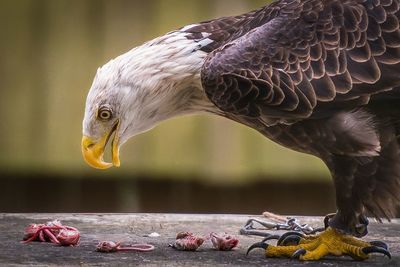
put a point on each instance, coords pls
(297, 58)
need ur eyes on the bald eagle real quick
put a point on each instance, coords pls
(317, 76)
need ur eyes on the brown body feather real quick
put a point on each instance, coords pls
(320, 77)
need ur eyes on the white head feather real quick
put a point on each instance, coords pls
(151, 83)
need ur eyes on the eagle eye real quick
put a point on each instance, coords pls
(104, 114)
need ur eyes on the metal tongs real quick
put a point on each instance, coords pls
(291, 224)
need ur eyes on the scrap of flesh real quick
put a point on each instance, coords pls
(187, 241)
(110, 247)
(223, 241)
(53, 232)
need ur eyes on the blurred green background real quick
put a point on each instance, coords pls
(50, 51)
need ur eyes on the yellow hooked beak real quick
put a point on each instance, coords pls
(93, 152)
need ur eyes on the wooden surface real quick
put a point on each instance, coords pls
(131, 228)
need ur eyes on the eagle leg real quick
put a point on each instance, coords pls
(329, 242)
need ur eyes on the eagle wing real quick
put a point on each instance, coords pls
(303, 59)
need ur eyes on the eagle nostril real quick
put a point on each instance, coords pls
(90, 146)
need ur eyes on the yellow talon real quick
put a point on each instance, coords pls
(329, 242)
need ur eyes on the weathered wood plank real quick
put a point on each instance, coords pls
(132, 227)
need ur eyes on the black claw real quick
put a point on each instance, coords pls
(375, 249)
(327, 219)
(380, 244)
(292, 235)
(271, 237)
(292, 240)
(257, 245)
(298, 253)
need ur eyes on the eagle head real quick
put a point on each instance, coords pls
(105, 115)
(135, 91)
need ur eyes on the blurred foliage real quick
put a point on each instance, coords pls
(50, 51)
